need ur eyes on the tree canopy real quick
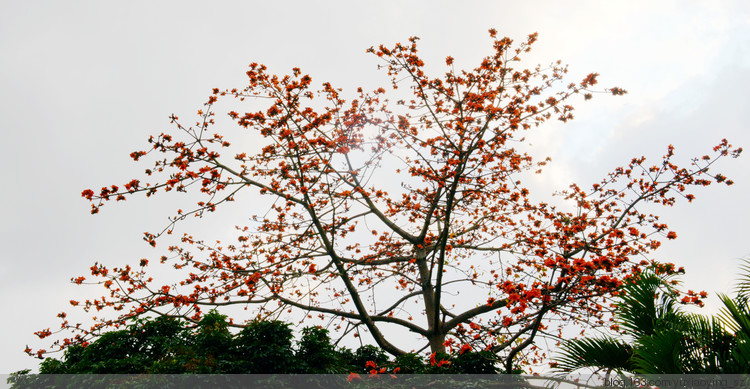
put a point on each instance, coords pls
(400, 212)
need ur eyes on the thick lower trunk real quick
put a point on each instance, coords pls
(437, 343)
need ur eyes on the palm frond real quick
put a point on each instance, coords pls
(735, 315)
(660, 353)
(667, 340)
(707, 346)
(743, 283)
(741, 355)
(606, 353)
(638, 312)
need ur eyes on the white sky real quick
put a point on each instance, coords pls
(83, 84)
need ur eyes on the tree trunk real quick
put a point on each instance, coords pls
(437, 343)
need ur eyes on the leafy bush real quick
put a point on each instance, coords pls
(169, 346)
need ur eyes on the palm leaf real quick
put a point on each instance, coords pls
(743, 283)
(741, 355)
(638, 312)
(735, 314)
(707, 346)
(668, 341)
(606, 353)
(659, 353)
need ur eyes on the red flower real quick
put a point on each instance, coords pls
(353, 376)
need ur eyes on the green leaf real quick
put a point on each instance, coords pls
(605, 353)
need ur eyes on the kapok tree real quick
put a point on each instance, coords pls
(407, 215)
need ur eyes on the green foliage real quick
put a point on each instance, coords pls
(264, 347)
(169, 346)
(129, 351)
(410, 364)
(470, 362)
(213, 336)
(440, 363)
(639, 313)
(369, 353)
(736, 317)
(316, 354)
(21, 377)
(665, 339)
(607, 353)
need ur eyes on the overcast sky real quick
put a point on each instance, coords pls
(83, 84)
